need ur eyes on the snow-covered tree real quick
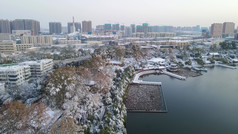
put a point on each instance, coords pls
(103, 82)
(59, 83)
(120, 53)
(16, 116)
(65, 125)
(137, 54)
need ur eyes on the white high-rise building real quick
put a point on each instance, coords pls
(23, 47)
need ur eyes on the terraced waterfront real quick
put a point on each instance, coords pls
(206, 104)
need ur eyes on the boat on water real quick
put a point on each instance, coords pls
(199, 69)
(203, 69)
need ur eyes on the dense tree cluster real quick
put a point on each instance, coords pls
(65, 125)
(197, 52)
(67, 82)
(90, 96)
(16, 116)
(213, 47)
(228, 45)
(112, 52)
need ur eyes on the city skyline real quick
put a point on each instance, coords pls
(169, 13)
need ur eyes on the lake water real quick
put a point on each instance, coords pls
(207, 104)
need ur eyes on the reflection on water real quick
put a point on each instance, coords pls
(207, 104)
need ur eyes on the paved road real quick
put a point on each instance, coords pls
(66, 61)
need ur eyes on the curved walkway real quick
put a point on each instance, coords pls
(138, 75)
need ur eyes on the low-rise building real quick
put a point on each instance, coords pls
(171, 42)
(214, 55)
(94, 42)
(37, 40)
(66, 41)
(138, 34)
(21, 32)
(160, 34)
(15, 75)
(153, 34)
(112, 62)
(98, 37)
(23, 47)
(154, 61)
(7, 47)
(39, 68)
(32, 49)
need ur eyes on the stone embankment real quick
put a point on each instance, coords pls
(226, 66)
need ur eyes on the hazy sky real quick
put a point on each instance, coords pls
(154, 12)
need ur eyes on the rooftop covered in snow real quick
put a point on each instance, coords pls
(157, 60)
(12, 68)
(36, 62)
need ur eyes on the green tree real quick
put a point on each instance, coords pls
(200, 62)
(233, 45)
(180, 64)
(227, 45)
(189, 62)
(213, 47)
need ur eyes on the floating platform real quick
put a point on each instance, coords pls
(145, 98)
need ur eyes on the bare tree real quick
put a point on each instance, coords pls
(65, 125)
(103, 82)
(120, 53)
(57, 85)
(136, 52)
(14, 116)
(94, 64)
(38, 111)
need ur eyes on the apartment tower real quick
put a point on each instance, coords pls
(228, 28)
(5, 26)
(55, 27)
(86, 27)
(216, 30)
